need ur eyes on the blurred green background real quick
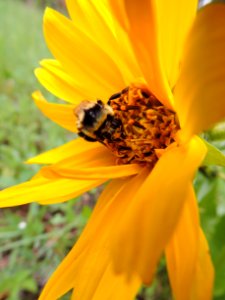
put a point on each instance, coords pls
(33, 238)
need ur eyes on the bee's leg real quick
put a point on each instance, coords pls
(115, 123)
(114, 96)
(86, 137)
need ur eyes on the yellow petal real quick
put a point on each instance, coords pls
(113, 286)
(78, 147)
(154, 211)
(61, 114)
(98, 157)
(95, 19)
(81, 57)
(174, 19)
(97, 172)
(142, 31)
(189, 264)
(182, 251)
(54, 79)
(200, 91)
(85, 265)
(45, 191)
(203, 280)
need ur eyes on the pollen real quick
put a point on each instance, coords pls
(146, 128)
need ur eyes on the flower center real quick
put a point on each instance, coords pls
(134, 125)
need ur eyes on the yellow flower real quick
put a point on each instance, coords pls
(161, 48)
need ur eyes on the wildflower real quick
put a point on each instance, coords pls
(167, 85)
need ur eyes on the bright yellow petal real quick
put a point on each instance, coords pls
(97, 172)
(188, 260)
(54, 79)
(114, 287)
(92, 158)
(81, 57)
(46, 191)
(62, 114)
(182, 251)
(142, 31)
(78, 147)
(200, 91)
(174, 19)
(90, 257)
(95, 19)
(203, 280)
(155, 210)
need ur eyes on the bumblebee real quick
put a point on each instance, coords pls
(96, 121)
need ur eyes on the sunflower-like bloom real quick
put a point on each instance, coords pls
(164, 66)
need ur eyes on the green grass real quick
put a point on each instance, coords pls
(24, 131)
(27, 256)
